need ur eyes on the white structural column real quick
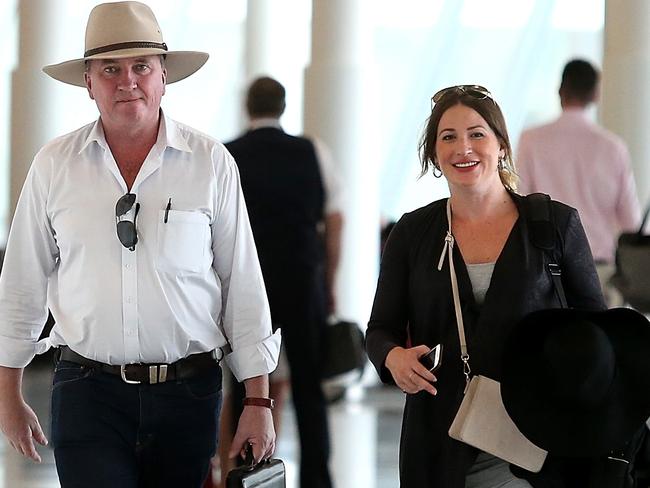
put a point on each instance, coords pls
(337, 92)
(626, 82)
(259, 45)
(335, 110)
(277, 37)
(32, 104)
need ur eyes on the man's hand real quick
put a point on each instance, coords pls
(17, 420)
(255, 427)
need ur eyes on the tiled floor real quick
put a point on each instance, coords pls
(365, 437)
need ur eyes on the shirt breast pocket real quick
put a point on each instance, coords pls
(183, 242)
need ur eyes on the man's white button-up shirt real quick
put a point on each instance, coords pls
(192, 283)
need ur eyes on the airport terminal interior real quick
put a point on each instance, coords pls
(365, 427)
(359, 76)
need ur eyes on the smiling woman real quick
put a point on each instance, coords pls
(501, 277)
(467, 149)
(475, 105)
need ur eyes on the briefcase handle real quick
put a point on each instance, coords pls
(249, 460)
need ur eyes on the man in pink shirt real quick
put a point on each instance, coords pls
(583, 165)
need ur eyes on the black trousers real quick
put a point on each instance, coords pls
(297, 307)
(109, 434)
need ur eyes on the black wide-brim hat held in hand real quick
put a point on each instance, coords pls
(577, 383)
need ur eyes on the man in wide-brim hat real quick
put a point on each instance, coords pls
(125, 30)
(577, 383)
(133, 231)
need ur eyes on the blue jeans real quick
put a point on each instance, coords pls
(107, 433)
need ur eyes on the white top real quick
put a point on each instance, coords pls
(480, 275)
(587, 167)
(191, 285)
(333, 190)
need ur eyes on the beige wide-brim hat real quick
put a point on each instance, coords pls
(124, 30)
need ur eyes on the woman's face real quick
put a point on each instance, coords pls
(467, 150)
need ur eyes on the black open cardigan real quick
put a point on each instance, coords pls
(414, 301)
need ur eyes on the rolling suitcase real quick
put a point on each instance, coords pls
(267, 474)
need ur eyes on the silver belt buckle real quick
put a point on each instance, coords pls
(157, 373)
(124, 378)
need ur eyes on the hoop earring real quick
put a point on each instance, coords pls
(436, 168)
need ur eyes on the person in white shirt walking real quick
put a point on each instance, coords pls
(585, 166)
(133, 230)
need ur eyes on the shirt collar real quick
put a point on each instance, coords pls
(169, 135)
(96, 134)
(575, 113)
(265, 122)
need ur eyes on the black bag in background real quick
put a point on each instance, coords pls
(344, 350)
(632, 277)
(267, 474)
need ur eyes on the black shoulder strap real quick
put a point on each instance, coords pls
(542, 234)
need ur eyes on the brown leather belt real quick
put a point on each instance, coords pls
(147, 373)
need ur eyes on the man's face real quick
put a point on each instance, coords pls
(127, 91)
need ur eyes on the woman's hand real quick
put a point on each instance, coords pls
(407, 371)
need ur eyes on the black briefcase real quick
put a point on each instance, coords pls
(267, 474)
(344, 349)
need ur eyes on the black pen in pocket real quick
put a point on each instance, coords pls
(169, 207)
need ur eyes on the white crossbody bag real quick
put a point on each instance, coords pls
(482, 420)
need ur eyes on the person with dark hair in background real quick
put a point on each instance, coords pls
(502, 276)
(134, 232)
(293, 201)
(585, 166)
(384, 232)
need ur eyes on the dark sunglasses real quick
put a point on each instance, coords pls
(126, 231)
(476, 91)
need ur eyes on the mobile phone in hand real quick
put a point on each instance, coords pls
(432, 359)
